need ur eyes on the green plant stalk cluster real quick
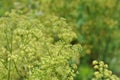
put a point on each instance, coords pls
(36, 50)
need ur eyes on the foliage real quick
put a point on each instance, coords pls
(5, 5)
(96, 23)
(66, 9)
(85, 72)
(35, 50)
(99, 33)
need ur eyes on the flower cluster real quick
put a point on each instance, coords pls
(102, 72)
(34, 49)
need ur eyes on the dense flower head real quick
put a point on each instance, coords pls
(102, 72)
(34, 49)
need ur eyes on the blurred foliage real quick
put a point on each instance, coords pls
(99, 33)
(5, 5)
(96, 23)
(85, 73)
(63, 8)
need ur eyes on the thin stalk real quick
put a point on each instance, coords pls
(9, 70)
(7, 57)
(10, 50)
(16, 68)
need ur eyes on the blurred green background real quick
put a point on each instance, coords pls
(96, 22)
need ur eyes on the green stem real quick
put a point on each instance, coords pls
(9, 70)
(16, 68)
(10, 50)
